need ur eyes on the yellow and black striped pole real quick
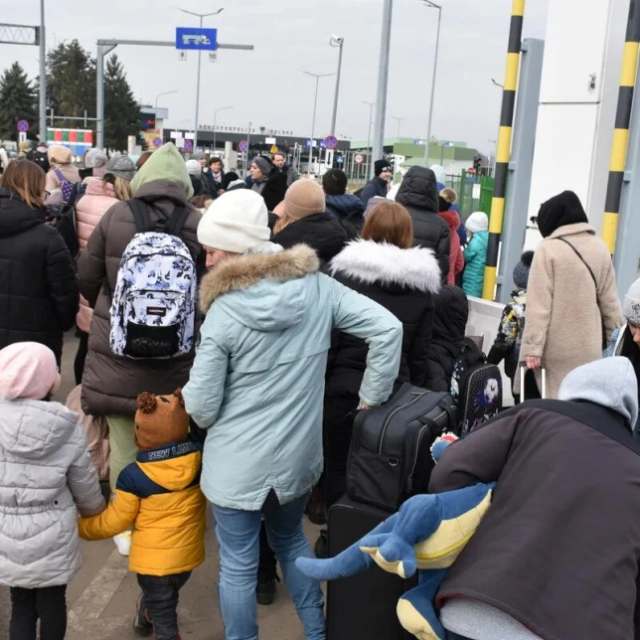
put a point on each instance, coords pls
(621, 132)
(504, 148)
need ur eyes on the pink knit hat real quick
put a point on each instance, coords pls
(28, 370)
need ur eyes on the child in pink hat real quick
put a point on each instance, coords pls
(47, 478)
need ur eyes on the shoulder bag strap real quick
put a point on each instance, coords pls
(176, 221)
(593, 277)
(59, 175)
(140, 215)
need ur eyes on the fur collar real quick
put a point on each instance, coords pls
(371, 262)
(248, 269)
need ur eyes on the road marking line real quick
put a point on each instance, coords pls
(95, 598)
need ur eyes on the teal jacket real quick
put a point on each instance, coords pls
(257, 383)
(475, 259)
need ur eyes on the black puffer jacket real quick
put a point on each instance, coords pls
(403, 281)
(320, 231)
(274, 189)
(451, 316)
(419, 194)
(38, 291)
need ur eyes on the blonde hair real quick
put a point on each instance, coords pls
(121, 187)
(283, 223)
(449, 195)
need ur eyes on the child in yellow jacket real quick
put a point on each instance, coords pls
(160, 496)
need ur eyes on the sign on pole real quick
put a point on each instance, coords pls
(157, 142)
(188, 146)
(196, 39)
(273, 149)
(359, 158)
(243, 145)
(23, 126)
(331, 142)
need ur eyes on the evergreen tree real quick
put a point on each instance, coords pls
(122, 113)
(17, 102)
(71, 83)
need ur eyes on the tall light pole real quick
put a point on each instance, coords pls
(43, 77)
(164, 93)
(317, 76)
(383, 80)
(399, 123)
(371, 105)
(202, 16)
(432, 5)
(215, 120)
(336, 41)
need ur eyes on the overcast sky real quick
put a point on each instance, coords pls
(266, 86)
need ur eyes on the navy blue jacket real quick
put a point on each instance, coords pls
(375, 187)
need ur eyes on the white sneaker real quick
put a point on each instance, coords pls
(123, 542)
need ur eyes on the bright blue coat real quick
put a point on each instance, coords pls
(257, 383)
(475, 260)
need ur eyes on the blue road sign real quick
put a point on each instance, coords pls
(340, 159)
(196, 39)
(243, 145)
(331, 142)
(23, 126)
(449, 144)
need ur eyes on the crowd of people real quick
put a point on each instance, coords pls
(313, 304)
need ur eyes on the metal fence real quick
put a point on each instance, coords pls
(474, 194)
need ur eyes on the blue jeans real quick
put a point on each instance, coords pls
(238, 534)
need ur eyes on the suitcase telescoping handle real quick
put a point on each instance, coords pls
(523, 373)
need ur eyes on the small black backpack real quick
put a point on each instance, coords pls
(476, 387)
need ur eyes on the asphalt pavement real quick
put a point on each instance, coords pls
(101, 599)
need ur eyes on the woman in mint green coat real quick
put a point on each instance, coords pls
(257, 387)
(475, 255)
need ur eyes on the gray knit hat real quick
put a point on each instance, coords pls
(95, 158)
(522, 269)
(264, 164)
(632, 304)
(121, 166)
(198, 155)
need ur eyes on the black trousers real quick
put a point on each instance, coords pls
(81, 355)
(30, 605)
(160, 595)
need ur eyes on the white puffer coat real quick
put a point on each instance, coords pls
(46, 477)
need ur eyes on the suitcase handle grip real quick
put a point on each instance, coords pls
(523, 373)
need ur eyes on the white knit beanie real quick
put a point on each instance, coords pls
(235, 222)
(193, 167)
(477, 222)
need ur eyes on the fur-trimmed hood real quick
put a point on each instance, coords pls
(269, 262)
(452, 218)
(370, 262)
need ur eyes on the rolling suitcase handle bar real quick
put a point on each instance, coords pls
(523, 373)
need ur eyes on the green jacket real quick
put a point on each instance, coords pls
(475, 259)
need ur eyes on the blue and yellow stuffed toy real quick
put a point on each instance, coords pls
(427, 535)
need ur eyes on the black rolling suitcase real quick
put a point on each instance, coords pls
(362, 607)
(390, 455)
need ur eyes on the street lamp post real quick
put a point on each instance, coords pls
(336, 42)
(164, 93)
(371, 105)
(399, 122)
(215, 119)
(432, 5)
(383, 80)
(43, 77)
(317, 76)
(202, 16)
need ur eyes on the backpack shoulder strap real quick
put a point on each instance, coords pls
(176, 221)
(140, 215)
(59, 175)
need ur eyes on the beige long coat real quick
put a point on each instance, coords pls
(564, 313)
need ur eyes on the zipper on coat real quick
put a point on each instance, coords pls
(393, 413)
